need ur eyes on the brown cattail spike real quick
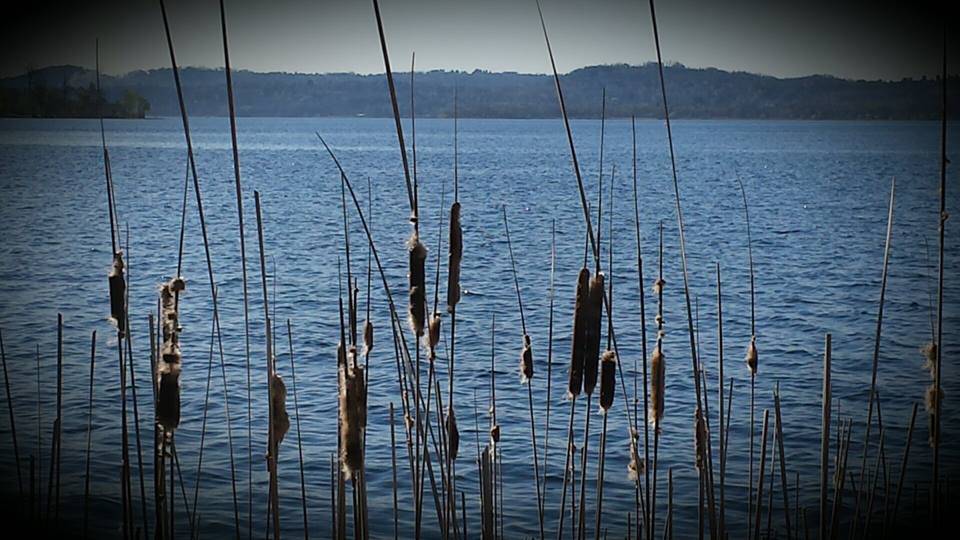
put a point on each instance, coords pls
(118, 294)
(700, 439)
(353, 415)
(608, 380)
(526, 361)
(751, 357)
(280, 419)
(168, 367)
(591, 359)
(495, 434)
(575, 383)
(456, 254)
(367, 337)
(417, 309)
(657, 380)
(453, 434)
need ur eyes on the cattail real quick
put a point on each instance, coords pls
(280, 419)
(433, 335)
(417, 313)
(168, 368)
(579, 326)
(594, 315)
(751, 357)
(636, 467)
(453, 434)
(657, 380)
(118, 290)
(700, 439)
(353, 400)
(495, 433)
(608, 380)
(930, 357)
(456, 253)
(526, 361)
(367, 337)
(658, 286)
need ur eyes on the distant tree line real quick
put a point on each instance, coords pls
(38, 100)
(631, 90)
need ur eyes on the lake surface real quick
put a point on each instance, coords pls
(818, 194)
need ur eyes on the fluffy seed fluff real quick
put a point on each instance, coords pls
(658, 286)
(433, 335)
(118, 294)
(575, 383)
(169, 365)
(456, 254)
(608, 380)
(591, 359)
(353, 417)
(930, 357)
(526, 361)
(636, 467)
(657, 383)
(751, 357)
(417, 309)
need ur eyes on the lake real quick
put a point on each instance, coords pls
(818, 195)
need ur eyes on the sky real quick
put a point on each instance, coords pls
(784, 38)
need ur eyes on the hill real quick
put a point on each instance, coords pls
(631, 90)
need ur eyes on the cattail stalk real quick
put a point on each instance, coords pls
(526, 372)
(231, 104)
(783, 462)
(546, 430)
(13, 422)
(876, 360)
(273, 435)
(825, 437)
(643, 347)
(86, 476)
(903, 466)
(393, 466)
(296, 410)
(203, 230)
(608, 384)
(763, 460)
(722, 517)
(938, 401)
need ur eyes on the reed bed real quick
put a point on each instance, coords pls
(430, 443)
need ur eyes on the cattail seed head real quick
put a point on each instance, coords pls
(636, 467)
(353, 416)
(417, 309)
(658, 285)
(526, 361)
(700, 439)
(495, 434)
(453, 434)
(433, 336)
(118, 290)
(591, 359)
(657, 383)
(367, 337)
(169, 365)
(575, 383)
(930, 398)
(455, 255)
(930, 357)
(280, 419)
(608, 380)
(751, 357)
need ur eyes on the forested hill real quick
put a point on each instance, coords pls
(631, 90)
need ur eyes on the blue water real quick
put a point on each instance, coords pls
(818, 194)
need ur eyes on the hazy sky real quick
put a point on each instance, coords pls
(782, 38)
